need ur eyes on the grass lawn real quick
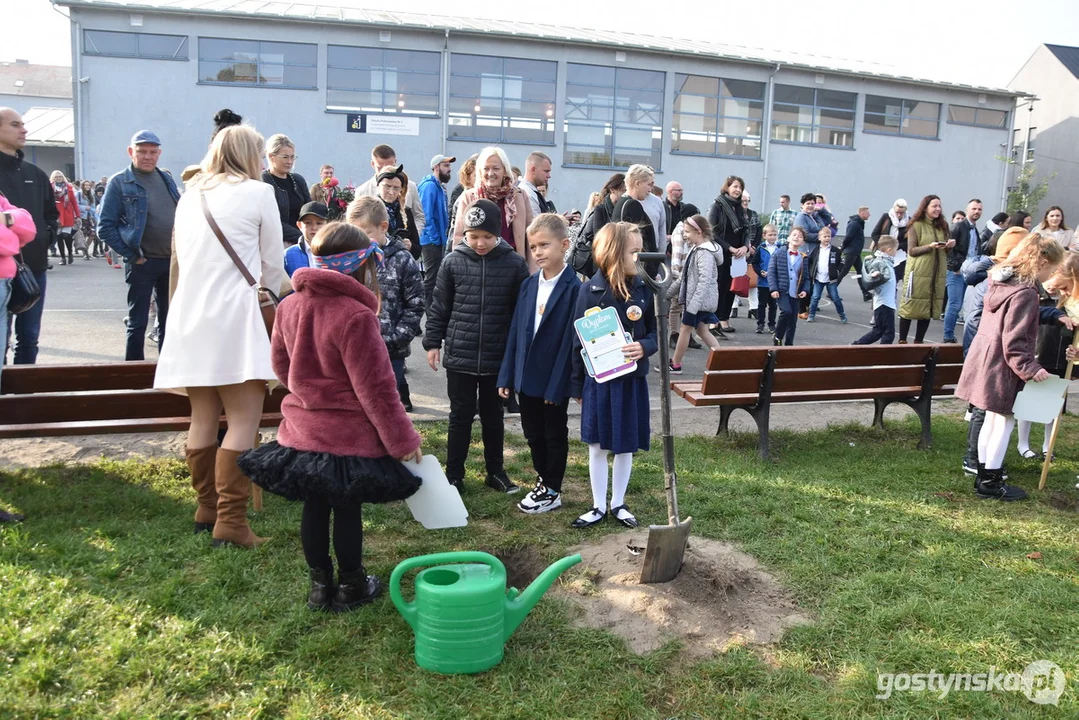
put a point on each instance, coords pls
(110, 607)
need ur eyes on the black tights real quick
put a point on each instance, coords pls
(919, 332)
(347, 533)
(66, 240)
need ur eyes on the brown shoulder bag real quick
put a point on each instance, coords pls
(268, 301)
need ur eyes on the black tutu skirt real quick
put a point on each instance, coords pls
(293, 474)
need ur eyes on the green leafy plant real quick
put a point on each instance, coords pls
(1025, 193)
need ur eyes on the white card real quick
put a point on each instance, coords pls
(1041, 402)
(437, 504)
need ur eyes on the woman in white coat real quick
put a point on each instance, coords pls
(218, 350)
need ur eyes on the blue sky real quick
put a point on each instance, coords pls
(980, 43)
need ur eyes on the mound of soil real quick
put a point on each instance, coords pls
(721, 597)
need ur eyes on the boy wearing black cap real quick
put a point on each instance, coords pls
(313, 216)
(471, 310)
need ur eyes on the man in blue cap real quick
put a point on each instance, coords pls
(136, 219)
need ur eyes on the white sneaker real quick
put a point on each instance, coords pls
(540, 500)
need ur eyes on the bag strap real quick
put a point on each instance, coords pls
(225, 243)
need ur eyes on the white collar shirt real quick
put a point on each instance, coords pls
(543, 293)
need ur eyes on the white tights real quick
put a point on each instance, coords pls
(597, 471)
(1024, 436)
(993, 440)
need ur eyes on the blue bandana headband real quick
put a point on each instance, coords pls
(349, 262)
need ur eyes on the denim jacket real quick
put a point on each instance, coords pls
(122, 217)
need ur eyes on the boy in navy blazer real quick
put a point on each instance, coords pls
(537, 359)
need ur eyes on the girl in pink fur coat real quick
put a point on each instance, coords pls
(345, 434)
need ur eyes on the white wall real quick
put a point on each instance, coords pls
(125, 95)
(1056, 116)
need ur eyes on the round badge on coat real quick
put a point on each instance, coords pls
(634, 313)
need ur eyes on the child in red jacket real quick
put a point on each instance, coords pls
(345, 434)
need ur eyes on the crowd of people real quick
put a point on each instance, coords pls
(491, 279)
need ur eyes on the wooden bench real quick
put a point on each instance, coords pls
(753, 379)
(59, 400)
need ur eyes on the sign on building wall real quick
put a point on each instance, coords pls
(383, 124)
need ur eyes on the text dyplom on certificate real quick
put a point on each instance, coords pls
(602, 339)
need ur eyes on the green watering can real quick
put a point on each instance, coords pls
(463, 615)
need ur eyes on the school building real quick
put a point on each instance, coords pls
(339, 81)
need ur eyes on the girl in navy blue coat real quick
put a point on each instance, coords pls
(615, 414)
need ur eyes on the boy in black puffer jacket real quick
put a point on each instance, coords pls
(471, 310)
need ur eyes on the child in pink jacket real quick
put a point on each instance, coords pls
(16, 229)
(345, 433)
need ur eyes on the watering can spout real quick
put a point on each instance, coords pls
(518, 607)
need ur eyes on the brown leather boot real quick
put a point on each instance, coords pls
(201, 464)
(233, 489)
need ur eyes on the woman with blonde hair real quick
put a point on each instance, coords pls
(466, 178)
(640, 179)
(219, 351)
(290, 189)
(494, 182)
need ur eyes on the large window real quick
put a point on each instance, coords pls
(978, 117)
(494, 99)
(894, 116)
(382, 81)
(614, 116)
(1032, 134)
(717, 117)
(134, 45)
(253, 62)
(813, 117)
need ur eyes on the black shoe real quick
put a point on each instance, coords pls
(693, 344)
(630, 522)
(991, 486)
(583, 522)
(322, 590)
(776, 341)
(457, 483)
(5, 516)
(751, 315)
(673, 341)
(728, 329)
(499, 481)
(354, 589)
(772, 329)
(760, 329)
(406, 399)
(203, 527)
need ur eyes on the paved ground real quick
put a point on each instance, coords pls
(83, 323)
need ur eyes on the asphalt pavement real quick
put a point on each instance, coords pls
(86, 304)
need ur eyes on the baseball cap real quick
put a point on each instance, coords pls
(145, 137)
(439, 159)
(317, 209)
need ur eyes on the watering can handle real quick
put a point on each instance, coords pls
(408, 609)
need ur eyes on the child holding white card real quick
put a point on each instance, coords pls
(615, 414)
(344, 433)
(1002, 357)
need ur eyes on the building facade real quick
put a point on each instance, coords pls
(42, 95)
(593, 101)
(1046, 129)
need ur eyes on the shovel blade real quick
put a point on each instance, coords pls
(665, 552)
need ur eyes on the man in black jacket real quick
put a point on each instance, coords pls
(965, 234)
(673, 206)
(28, 187)
(854, 242)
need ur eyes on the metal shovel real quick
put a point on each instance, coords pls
(666, 543)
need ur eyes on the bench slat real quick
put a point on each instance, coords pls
(27, 379)
(110, 427)
(49, 408)
(818, 356)
(699, 399)
(806, 380)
